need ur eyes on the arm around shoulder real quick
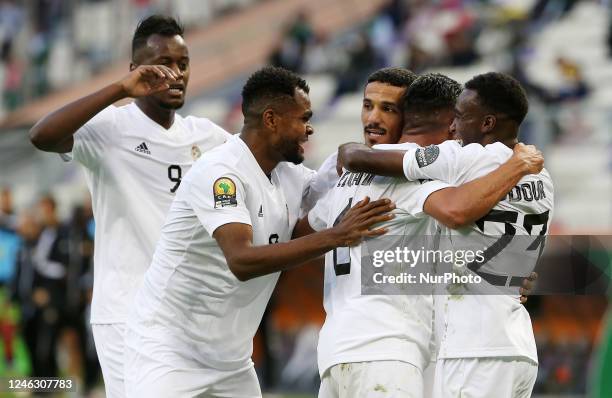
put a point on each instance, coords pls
(360, 158)
(458, 206)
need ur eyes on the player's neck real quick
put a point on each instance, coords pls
(510, 142)
(260, 149)
(163, 117)
(424, 135)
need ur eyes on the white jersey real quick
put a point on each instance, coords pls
(133, 167)
(324, 180)
(358, 327)
(190, 300)
(490, 325)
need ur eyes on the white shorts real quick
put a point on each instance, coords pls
(375, 379)
(428, 379)
(110, 348)
(154, 370)
(485, 377)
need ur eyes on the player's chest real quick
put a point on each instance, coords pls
(270, 214)
(154, 161)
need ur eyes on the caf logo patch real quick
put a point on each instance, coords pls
(224, 190)
(426, 156)
(195, 152)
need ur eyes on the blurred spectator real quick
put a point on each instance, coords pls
(14, 359)
(23, 289)
(13, 82)
(9, 240)
(360, 65)
(290, 50)
(48, 15)
(41, 285)
(8, 219)
(460, 41)
(79, 280)
(285, 55)
(39, 49)
(301, 30)
(564, 103)
(11, 22)
(383, 36)
(398, 12)
(574, 87)
(320, 57)
(547, 10)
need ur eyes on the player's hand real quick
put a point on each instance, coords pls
(345, 153)
(529, 158)
(148, 79)
(356, 223)
(528, 286)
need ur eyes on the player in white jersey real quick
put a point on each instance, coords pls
(225, 239)
(378, 345)
(134, 158)
(487, 348)
(381, 118)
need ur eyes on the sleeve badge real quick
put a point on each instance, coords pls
(224, 191)
(426, 156)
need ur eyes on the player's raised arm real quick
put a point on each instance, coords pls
(462, 205)
(361, 158)
(247, 261)
(53, 133)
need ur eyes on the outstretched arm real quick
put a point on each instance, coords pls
(53, 133)
(247, 261)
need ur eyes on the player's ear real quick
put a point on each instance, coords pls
(269, 118)
(132, 66)
(488, 123)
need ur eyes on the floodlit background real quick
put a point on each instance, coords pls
(54, 51)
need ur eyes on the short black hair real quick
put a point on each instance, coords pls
(500, 93)
(270, 84)
(155, 24)
(398, 77)
(431, 92)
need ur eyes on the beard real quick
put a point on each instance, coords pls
(291, 152)
(171, 105)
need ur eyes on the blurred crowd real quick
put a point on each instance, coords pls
(46, 280)
(423, 35)
(41, 39)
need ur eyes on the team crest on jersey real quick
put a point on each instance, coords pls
(195, 152)
(224, 190)
(428, 155)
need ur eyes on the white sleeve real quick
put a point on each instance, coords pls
(219, 132)
(310, 195)
(93, 139)
(217, 196)
(318, 215)
(321, 182)
(448, 162)
(414, 205)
